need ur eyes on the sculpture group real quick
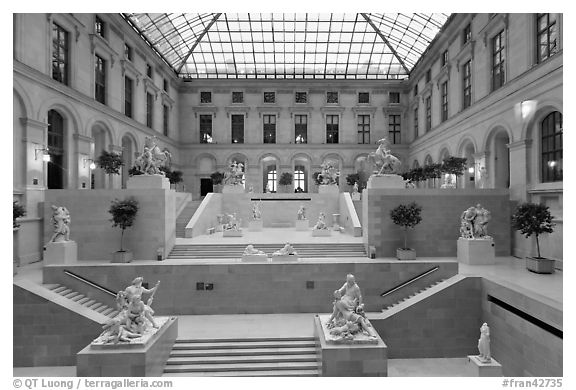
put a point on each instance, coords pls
(302, 213)
(321, 223)
(474, 223)
(383, 160)
(329, 174)
(60, 221)
(152, 158)
(257, 211)
(234, 175)
(230, 222)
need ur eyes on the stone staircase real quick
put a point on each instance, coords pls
(234, 251)
(185, 216)
(291, 356)
(81, 299)
(411, 296)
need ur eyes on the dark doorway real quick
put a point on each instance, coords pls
(206, 186)
(56, 150)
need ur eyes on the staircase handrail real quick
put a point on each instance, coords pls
(90, 283)
(409, 281)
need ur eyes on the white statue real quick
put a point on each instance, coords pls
(484, 344)
(329, 174)
(235, 174)
(257, 211)
(302, 213)
(348, 317)
(152, 158)
(250, 250)
(321, 223)
(355, 188)
(383, 159)
(448, 181)
(483, 177)
(231, 222)
(474, 223)
(60, 221)
(286, 250)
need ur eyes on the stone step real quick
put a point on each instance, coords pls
(59, 289)
(245, 339)
(241, 367)
(242, 352)
(107, 311)
(78, 297)
(255, 373)
(243, 344)
(65, 292)
(189, 360)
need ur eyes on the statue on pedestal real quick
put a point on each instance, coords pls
(321, 223)
(286, 250)
(250, 250)
(231, 223)
(301, 213)
(329, 174)
(257, 211)
(234, 175)
(484, 344)
(483, 178)
(474, 223)
(152, 158)
(383, 159)
(355, 188)
(60, 221)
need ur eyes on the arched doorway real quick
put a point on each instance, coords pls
(270, 175)
(469, 176)
(128, 150)
(98, 176)
(498, 166)
(205, 166)
(301, 172)
(56, 147)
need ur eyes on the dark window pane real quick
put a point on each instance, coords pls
(301, 97)
(363, 97)
(269, 97)
(205, 97)
(60, 47)
(237, 129)
(237, 97)
(205, 129)
(100, 80)
(269, 129)
(149, 109)
(331, 97)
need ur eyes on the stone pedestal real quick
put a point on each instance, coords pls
(255, 258)
(491, 369)
(328, 189)
(405, 254)
(255, 226)
(122, 257)
(321, 232)
(232, 233)
(302, 225)
(355, 195)
(233, 189)
(284, 258)
(476, 251)
(61, 253)
(386, 181)
(148, 181)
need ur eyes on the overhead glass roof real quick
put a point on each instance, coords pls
(289, 46)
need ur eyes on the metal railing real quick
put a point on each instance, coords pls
(90, 283)
(409, 281)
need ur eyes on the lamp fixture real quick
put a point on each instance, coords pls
(45, 154)
(471, 170)
(92, 165)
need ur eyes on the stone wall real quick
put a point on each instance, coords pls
(90, 227)
(205, 216)
(438, 232)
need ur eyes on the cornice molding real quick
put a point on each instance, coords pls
(129, 67)
(497, 22)
(83, 138)
(97, 42)
(27, 122)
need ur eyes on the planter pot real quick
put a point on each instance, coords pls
(405, 254)
(540, 265)
(122, 257)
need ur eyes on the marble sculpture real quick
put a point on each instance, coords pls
(234, 175)
(152, 158)
(301, 213)
(383, 160)
(250, 250)
(329, 174)
(257, 211)
(474, 223)
(355, 188)
(321, 223)
(484, 344)
(231, 222)
(286, 250)
(60, 221)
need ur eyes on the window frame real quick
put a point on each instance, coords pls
(302, 93)
(546, 31)
(363, 93)
(428, 110)
(296, 130)
(129, 97)
(444, 58)
(363, 129)
(331, 131)
(201, 97)
(395, 128)
(467, 34)
(266, 127)
(165, 119)
(337, 97)
(65, 75)
(128, 52)
(149, 109)
(100, 79)
(201, 129)
(273, 93)
(100, 27)
(498, 54)
(467, 84)
(415, 123)
(390, 94)
(232, 129)
(236, 93)
(545, 154)
(444, 101)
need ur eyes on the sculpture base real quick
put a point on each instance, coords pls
(284, 258)
(122, 257)
(405, 254)
(255, 226)
(328, 189)
(321, 232)
(386, 181)
(476, 251)
(302, 225)
(233, 189)
(360, 338)
(355, 195)
(255, 258)
(65, 252)
(491, 369)
(148, 181)
(232, 233)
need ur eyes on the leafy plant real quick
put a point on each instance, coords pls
(286, 179)
(123, 215)
(358, 177)
(134, 171)
(110, 162)
(174, 177)
(407, 217)
(532, 218)
(17, 211)
(454, 165)
(217, 178)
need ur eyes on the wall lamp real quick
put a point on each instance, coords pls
(45, 154)
(92, 165)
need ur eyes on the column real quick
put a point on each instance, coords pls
(34, 139)
(84, 158)
(519, 159)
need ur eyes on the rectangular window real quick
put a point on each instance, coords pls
(428, 113)
(467, 84)
(128, 88)
(332, 129)
(237, 129)
(149, 109)
(269, 129)
(205, 129)
(552, 149)
(394, 97)
(416, 90)
(363, 129)
(149, 70)
(444, 93)
(269, 97)
(332, 97)
(300, 178)
(498, 59)
(300, 129)
(428, 75)
(237, 97)
(467, 34)
(301, 97)
(165, 85)
(60, 48)
(394, 128)
(363, 97)
(444, 60)
(546, 36)
(127, 52)
(416, 123)
(205, 97)
(99, 27)
(166, 119)
(100, 80)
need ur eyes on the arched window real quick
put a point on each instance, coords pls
(551, 147)
(56, 150)
(271, 182)
(299, 180)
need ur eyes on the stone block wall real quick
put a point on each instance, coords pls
(438, 232)
(205, 215)
(46, 334)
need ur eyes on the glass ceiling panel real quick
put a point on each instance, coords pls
(266, 45)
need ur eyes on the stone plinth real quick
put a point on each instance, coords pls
(232, 233)
(65, 252)
(302, 225)
(130, 360)
(263, 258)
(321, 232)
(233, 189)
(386, 181)
(405, 254)
(122, 257)
(491, 369)
(355, 195)
(476, 251)
(328, 189)
(255, 226)
(351, 360)
(148, 181)
(284, 258)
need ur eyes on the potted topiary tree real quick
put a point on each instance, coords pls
(174, 177)
(110, 162)
(407, 217)
(17, 211)
(217, 179)
(534, 219)
(285, 182)
(123, 215)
